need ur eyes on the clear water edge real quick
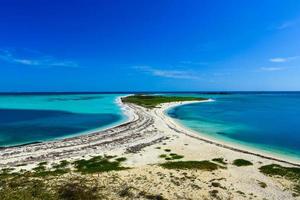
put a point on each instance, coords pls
(262, 149)
(257, 148)
(123, 118)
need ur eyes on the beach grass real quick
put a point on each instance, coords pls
(25, 188)
(41, 170)
(163, 156)
(40, 167)
(152, 101)
(63, 164)
(289, 173)
(242, 162)
(71, 188)
(121, 159)
(98, 164)
(175, 156)
(93, 165)
(262, 184)
(29, 188)
(171, 156)
(219, 160)
(201, 165)
(292, 173)
(6, 172)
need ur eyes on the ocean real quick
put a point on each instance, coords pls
(267, 121)
(27, 118)
(264, 121)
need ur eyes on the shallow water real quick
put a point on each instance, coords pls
(32, 118)
(267, 121)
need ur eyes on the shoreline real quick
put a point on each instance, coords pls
(224, 144)
(145, 142)
(143, 128)
(127, 115)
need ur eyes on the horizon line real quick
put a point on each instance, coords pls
(139, 92)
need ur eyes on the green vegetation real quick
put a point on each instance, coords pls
(216, 184)
(240, 192)
(214, 194)
(84, 187)
(57, 169)
(29, 188)
(24, 188)
(175, 156)
(219, 160)
(78, 189)
(41, 170)
(62, 164)
(241, 162)
(296, 190)
(289, 173)
(262, 184)
(152, 101)
(167, 150)
(6, 172)
(97, 164)
(171, 156)
(154, 197)
(35, 185)
(126, 192)
(109, 156)
(201, 165)
(40, 167)
(43, 184)
(61, 168)
(121, 159)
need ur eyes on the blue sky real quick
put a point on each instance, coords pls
(149, 45)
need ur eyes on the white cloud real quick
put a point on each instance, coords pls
(271, 69)
(176, 74)
(277, 60)
(286, 25)
(282, 59)
(40, 60)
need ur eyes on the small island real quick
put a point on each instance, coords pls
(152, 101)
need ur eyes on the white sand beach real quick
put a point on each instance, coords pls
(148, 134)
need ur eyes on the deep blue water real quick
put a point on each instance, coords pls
(33, 118)
(268, 121)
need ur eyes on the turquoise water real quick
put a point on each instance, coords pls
(266, 121)
(33, 118)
